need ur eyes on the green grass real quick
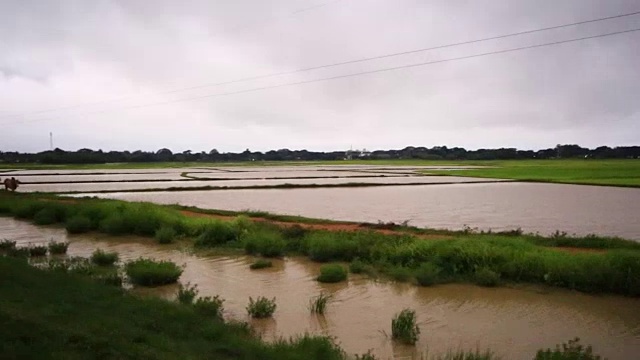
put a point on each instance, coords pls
(187, 293)
(149, 272)
(78, 224)
(574, 171)
(102, 258)
(332, 273)
(58, 247)
(571, 350)
(261, 307)
(61, 316)
(404, 327)
(513, 257)
(37, 250)
(210, 306)
(165, 235)
(318, 304)
(428, 274)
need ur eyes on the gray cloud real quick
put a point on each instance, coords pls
(55, 54)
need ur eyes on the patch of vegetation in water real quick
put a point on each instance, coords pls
(404, 327)
(332, 273)
(261, 307)
(260, 264)
(512, 257)
(318, 304)
(58, 247)
(103, 258)
(149, 272)
(165, 235)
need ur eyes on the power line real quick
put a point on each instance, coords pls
(352, 74)
(258, 77)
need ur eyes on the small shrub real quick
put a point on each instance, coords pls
(427, 274)
(7, 245)
(357, 266)
(187, 293)
(404, 327)
(261, 307)
(46, 216)
(569, 351)
(215, 234)
(332, 273)
(486, 277)
(318, 304)
(37, 250)
(102, 258)
(261, 264)
(265, 243)
(115, 225)
(399, 273)
(165, 235)
(148, 272)
(79, 224)
(18, 252)
(294, 232)
(210, 306)
(57, 248)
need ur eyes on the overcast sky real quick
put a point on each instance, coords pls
(103, 61)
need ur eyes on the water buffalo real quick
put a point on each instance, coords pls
(11, 184)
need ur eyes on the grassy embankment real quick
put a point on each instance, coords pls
(62, 315)
(487, 259)
(585, 171)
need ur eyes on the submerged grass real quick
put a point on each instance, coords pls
(261, 264)
(102, 258)
(261, 307)
(318, 304)
(58, 247)
(404, 327)
(508, 257)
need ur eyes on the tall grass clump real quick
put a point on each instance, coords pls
(261, 307)
(79, 224)
(260, 264)
(46, 216)
(427, 274)
(398, 273)
(215, 234)
(332, 273)
(165, 235)
(58, 248)
(486, 277)
(327, 246)
(357, 266)
(7, 245)
(37, 250)
(404, 327)
(187, 293)
(572, 350)
(148, 272)
(27, 209)
(102, 258)
(318, 304)
(115, 224)
(211, 306)
(266, 243)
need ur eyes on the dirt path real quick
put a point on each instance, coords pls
(320, 226)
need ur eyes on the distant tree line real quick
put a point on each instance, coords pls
(88, 156)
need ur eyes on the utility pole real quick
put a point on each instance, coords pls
(51, 141)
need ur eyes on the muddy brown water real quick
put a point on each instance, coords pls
(534, 207)
(512, 322)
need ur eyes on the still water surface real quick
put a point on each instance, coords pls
(534, 207)
(512, 322)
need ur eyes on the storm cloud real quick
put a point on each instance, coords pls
(102, 74)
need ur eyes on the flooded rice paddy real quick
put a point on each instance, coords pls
(512, 322)
(449, 202)
(534, 207)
